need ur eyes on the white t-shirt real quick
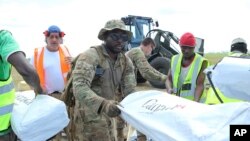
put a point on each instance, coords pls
(53, 76)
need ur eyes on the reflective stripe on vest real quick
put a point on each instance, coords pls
(38, 63)
(6, 109)
(7, 96)
(6, 88)
(188, 87)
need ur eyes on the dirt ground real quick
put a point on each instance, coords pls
(147, 86)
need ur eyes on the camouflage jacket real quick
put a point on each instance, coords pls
(141, 64)
(96, 77)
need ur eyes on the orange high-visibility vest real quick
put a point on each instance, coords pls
(38, 63)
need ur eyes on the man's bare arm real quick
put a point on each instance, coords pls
(200, 82)
(26, 70)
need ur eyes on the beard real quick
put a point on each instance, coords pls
(114, 49)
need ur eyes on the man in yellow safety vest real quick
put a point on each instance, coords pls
(11, 55)
(214, 95)
(186, 77)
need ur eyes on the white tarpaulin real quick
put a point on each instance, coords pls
(37, 118)
(232, 77)
(165, 117)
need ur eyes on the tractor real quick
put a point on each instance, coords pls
(166, 44)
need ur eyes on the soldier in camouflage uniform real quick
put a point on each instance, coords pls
(103, 75)
(139, 58)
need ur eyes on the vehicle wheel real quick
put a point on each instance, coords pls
(162, 64)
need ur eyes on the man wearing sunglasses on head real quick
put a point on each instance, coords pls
(102, 77)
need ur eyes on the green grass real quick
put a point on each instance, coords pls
(213, 58)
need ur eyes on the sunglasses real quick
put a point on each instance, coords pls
(117, 36)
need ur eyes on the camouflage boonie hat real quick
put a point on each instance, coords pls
(111, 25)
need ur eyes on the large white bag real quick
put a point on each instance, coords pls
(165, 117)
(232, 77)
(37, 118)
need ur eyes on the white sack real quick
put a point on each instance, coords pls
(37, 118)
(165, 117)
(232, 77)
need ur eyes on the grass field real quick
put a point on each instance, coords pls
(213, 58)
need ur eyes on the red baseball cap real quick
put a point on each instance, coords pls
(187, 39)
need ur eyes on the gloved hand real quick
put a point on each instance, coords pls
(110, 108)
(170, 91)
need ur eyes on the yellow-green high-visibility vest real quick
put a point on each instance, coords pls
(7, 97)
(212, 99)
(187, 89)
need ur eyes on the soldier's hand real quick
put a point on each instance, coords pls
(110, 108)
(170, 91)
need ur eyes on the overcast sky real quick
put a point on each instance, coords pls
(217, 21)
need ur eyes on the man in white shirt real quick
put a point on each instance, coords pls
(52, 62)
